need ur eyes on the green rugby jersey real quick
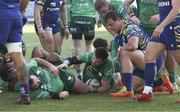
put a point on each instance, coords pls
(103, 72)
(147, 8)
(82, 8)
(49, 81)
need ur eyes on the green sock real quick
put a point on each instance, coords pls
(172, 77)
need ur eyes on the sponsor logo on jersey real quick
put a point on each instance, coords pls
(53, 4)
(164, 4)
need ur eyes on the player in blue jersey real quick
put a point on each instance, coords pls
(165, 36)
(47, 13)
(132, 41)
(11, 37)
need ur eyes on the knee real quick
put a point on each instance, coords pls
(124, 54)
(149, 59)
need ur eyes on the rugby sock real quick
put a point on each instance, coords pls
(157, 82)
(24, 90)
(127, 78)
(149, 74)
(147, 89)
(172, 76)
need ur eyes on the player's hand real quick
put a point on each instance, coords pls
(66, 32)
(64, 65)
(41, 32)
(135, 19)
(158, 30)
(54, 70)
(92, 88)
(154, 19)
(63, 95)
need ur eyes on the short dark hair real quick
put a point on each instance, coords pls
(101, 53)
(111, 15)
(100, 42)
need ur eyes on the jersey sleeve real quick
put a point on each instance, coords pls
(39, 94)
(130, 30)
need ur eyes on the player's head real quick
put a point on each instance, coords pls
(34, 82)
(100, 43)
(37, 53)
(113, 21)
(99, 57)
(7, 70)
(102, 6)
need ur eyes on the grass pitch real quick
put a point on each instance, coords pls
(88, 102)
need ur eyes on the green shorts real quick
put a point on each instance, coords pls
(67, 78)
(82, 25)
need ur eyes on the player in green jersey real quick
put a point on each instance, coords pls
(82, 22)
(98, 67)
(46, 80)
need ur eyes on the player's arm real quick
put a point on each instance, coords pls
(23, 5)
(132, 16)
(106, 81)
(131, 45)
(59, 95)
(44, 63)
(170, 17)
(38, 7)
(64, 16)
(128, 2)
(70, 61)
(105, 86)
(63, 12)
(172, 14)
(53, 57)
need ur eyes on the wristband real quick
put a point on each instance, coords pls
(38, 27)
(65, 26)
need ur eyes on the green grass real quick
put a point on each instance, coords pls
(88, 102)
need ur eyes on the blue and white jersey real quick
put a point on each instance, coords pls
(9, 8)
(130, 29)
(51, 9)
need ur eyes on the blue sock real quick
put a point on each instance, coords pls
(157, 82)
(24, 90)
(149, 73)
(127, 78)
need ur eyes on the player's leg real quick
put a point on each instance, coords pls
(153, 50)
(14, 47)
(80, 86)
(22, 72)
(72, 83)
(89, 33)
(129, 60)
(138, 80)
(171, 68)
(76, 31)
(58, 40)
(176, 54)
